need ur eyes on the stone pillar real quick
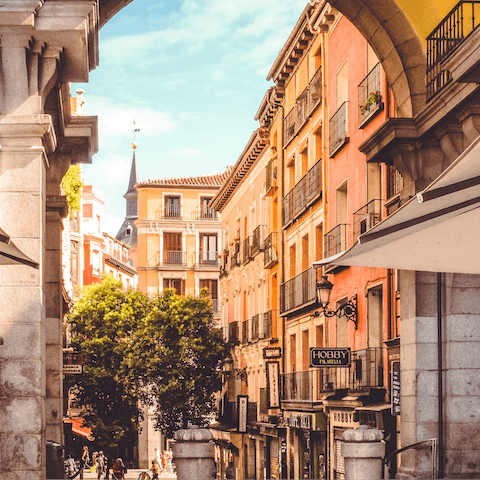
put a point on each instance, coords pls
(363, 451)
(194, 453)
(23, 164)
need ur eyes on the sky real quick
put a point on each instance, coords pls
(192, 73)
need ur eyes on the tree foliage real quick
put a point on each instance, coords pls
(174, 360)
(163, 351)
(72, 184)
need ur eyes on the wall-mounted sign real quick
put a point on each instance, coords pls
(300, 421)
(272, 352)
(273, 380)
(242, 412)
(329, 357)
(395, 372)
(72, 369)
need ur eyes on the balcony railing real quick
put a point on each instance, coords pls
(367, 217)
(270, 257)
(172, 211)
(338, 130)
(315, 91)
(288, 204)
(299, 291)
(369, 96)
(289, 126)
(300, 196)
(208, 259)
(256, 319)
(233, 333)
(336, 240)
(245, 331)
(268, 319)
(306, 103)
(172, 257)
(298, 386)
(258, 240)
(270, 177)
(215, 305)
(314, 183)
(235, 258)
(366, 371)
(460, 22)
(247, 250)
(205, 213)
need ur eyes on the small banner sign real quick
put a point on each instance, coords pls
(72, 369)
(273, 379)
(330, 357)
(272, 352)
(395, 372)
(242, 411)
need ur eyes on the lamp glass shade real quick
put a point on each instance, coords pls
(228, 365)
(324, 288)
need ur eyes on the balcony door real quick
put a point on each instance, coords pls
(208, 249)
(172, 206)
(172, 248)
(176, 284)
(205, 210)
(212, 287)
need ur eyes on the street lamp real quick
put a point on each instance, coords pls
(229, 370)
(348, 309)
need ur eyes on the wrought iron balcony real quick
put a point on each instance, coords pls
(258, 240)
(288, 206)
(215, 305)
(299, 291)
(270, 257)
(314, 183)
(338, 130)
(289, 126)
(298, 386)
(206, 213)
(369, 96)
(172, 211)
(247, 250)
(256, 321)
(302, 109)
(300, 202)
(235, 258)
(366, 372)
(367, 217)
(315, 91)
(335, 240)
(270, 177)
(245, 331)
(268, 319)
(233, 333)
(460, 22)
(172, 257)
(208, 259)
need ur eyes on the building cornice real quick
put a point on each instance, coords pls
(271, 102)
(121, 265)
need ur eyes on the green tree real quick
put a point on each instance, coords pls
(174, 360)
(101, 321)
(72, 184)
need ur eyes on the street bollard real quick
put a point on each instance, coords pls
(363, 450)
(194, 452)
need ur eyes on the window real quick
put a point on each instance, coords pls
(205, 210)
(172, 248)
(211, 286)
(341, 327)
(74, 263)
(394, 181)
(292, 260)
(176, 284)
(304, 161)
(305, 350)
(342, 85)
(96, 263)
(305, 253)
(293, 352)
(341, 204)
(319, 340)
(208, 249)
(375, 317)
(319, 242)
(172, 206)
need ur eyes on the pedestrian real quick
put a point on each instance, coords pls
(118, 469)
(84, 460)
(158, 460)
(106, 468)
(99, 465)
(169, 461)
(155, 470)
(230, 472)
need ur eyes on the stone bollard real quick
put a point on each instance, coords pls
(363, 450)
(194, 453)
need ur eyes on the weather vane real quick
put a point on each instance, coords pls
(135, 130)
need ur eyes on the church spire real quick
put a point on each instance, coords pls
(133, 172)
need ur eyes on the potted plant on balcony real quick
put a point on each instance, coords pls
(373, 99)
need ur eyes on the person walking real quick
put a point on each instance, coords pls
(99, 465)
(118, 470)
(230, 472)
(155, 470)
(84, 461)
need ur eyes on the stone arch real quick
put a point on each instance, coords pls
(398, 47)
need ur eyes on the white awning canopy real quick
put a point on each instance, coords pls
(437, 231)
(11, 255)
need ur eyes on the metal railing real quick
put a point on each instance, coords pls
(208, 259)
(270, 176)
(256, 326)
(394, 181)
(270, 256)
(173, 257)
(258, 240)
(367, 217)
(206, 213)
(302, 109)
(369, 95)
(335, 240)
(338, 129)
(172, 211)
(315, 91)
(298, 386)
(233, 333)
(268, 319)
(288, 205)
(460, 22)
(299, 290)
(300, 196)
(314, 183)
(245, 331)
(235, 258)
(215, 305)
(247, 249)
(289, 126)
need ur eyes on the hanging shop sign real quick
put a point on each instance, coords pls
(330, 357)
(300, 421)
(72, 369)
(395, 373)
(343, 418)
(273, 381)
(272, 352)
(242, 409)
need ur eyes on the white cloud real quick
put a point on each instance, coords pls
(185, 153)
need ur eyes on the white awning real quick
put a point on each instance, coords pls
(437, 231)
(11, 255)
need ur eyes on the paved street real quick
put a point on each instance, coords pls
(132, 474)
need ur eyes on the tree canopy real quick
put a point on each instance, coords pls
(72, 184)
(163, 352)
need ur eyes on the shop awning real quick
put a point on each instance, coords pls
(438, 230)
(78, 428)
(11, 255)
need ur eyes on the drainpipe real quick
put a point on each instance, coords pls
(440, 375)
(282, 193)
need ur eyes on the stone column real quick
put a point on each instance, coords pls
(23, 164)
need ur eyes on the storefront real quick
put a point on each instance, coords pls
(306, 444)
